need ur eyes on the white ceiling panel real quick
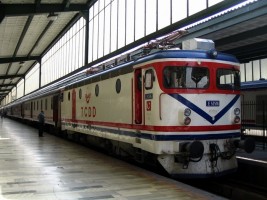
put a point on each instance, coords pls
(36, 28)
(10, 32)
(3, 68)
(14, 68)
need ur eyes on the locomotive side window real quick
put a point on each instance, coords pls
(118, 86)
(96, 90)
(228, 79)
(149, 78)
(185, 77)
(80, 93)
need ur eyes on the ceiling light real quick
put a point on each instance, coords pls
(21, 64)
(52, 16)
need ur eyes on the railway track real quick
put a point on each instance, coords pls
(231, 188)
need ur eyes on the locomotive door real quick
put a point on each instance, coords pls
(138, 96)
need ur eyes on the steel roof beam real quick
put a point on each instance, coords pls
(19, 59)
(5, 90)
(2, 12)
(7, 85)
(242, 36)
(251, 52)
(30, 9)
(12, 76)
(66, 4)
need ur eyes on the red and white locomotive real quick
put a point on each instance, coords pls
(179, 108)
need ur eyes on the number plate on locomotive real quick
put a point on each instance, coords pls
(212, 103)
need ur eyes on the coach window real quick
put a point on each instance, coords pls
(69, 96)
(41, 104)
(34, 105)
(37, 105)
(149, 78)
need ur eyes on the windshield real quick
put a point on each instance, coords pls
(228, 79)
(185, 77)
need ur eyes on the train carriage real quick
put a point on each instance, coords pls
(254, 115)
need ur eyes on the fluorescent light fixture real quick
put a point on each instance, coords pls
(52, 16)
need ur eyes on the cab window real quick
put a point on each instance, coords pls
(185, 77)
(228, 79)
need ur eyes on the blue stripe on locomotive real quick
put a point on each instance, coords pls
(158, 137)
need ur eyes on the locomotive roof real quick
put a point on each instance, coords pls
(193, 54)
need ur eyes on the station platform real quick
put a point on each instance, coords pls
(51, 168)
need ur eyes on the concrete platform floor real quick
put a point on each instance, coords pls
(50, 168)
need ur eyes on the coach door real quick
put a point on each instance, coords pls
(22, 110)
(31, 109)
(138, 96)
(73, 104)
(55, 109)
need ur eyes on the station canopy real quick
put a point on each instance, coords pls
(29, 28)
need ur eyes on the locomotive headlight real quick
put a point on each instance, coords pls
(237, 119)
(187, 121)
(187, 112)
(237, 111)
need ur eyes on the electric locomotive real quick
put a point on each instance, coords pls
(177, 108)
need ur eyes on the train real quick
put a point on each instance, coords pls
(254, 107)
(178, 108)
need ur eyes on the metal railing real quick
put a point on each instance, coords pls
(254, 121)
